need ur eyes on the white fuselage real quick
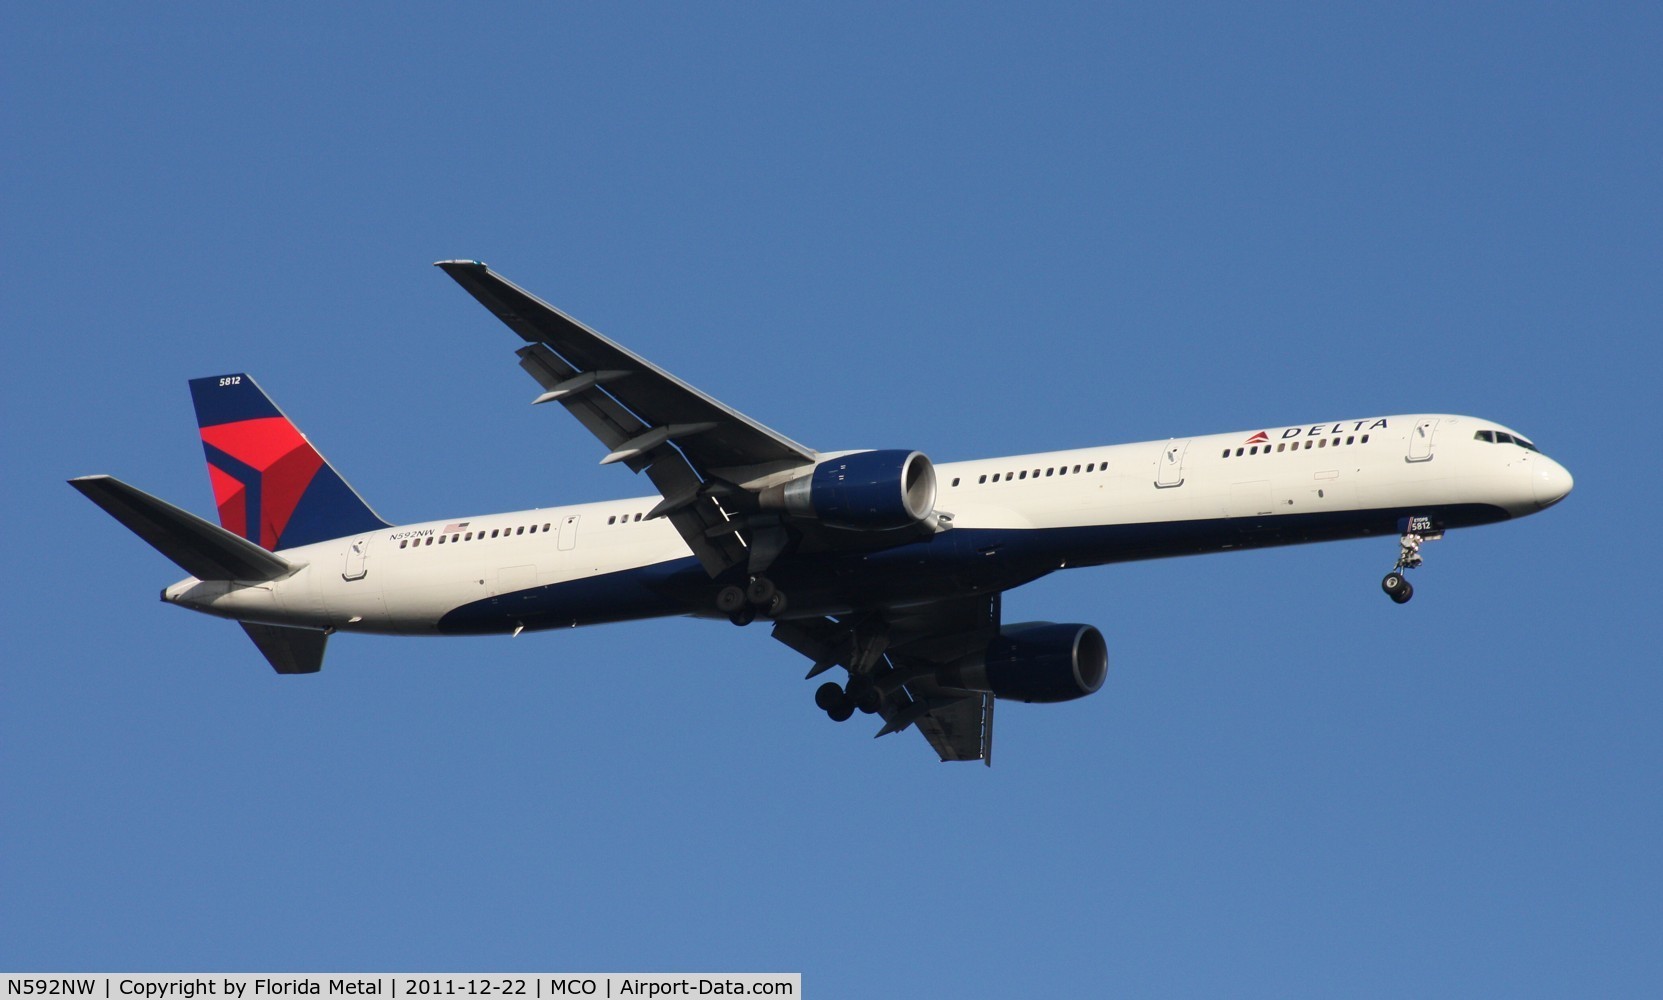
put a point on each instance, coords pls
(1012, 519)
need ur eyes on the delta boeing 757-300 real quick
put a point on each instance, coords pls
(881, 563)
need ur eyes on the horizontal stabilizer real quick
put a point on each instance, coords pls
(204, 550)
(289, 650)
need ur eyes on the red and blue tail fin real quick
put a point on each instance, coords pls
(271, 486)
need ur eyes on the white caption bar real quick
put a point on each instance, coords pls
(398, 986)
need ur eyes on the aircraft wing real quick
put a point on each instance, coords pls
(730, 441)
(691, 446)
(900, 652)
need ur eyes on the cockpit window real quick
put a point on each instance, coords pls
(1502, 437)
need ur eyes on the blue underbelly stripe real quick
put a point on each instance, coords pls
(954, 563)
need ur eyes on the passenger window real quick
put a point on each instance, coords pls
(1282, 447)
(404, 543)
(520, 530)
(1076, 470)
(1024, 474)
(955, 480)
(1048, 472)
(441, 539)
(1349, 439)
(612, 520)
(430, 539)
(1365, 439)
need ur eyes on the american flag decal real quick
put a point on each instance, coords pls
(458, 526)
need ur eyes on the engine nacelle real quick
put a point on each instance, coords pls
(1035, 661)
(868, 490)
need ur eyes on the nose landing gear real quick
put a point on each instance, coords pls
(1408, 557)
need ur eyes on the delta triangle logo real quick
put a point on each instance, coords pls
(1259, 438)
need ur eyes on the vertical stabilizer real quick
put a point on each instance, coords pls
(271, 486)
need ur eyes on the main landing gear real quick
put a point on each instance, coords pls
(743, 604)
(839, 701)
(1408, 557)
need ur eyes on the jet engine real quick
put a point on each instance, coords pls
(1034, 661)
(865, 490)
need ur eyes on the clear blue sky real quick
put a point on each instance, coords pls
(966, 230)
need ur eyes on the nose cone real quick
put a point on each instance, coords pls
(1550, 481)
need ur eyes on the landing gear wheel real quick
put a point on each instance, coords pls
(863, 694)
(760, 591)
(729, 600)
(776, 605)
(744, 616)
(1397, 588)
(831, 699)
(828, 696)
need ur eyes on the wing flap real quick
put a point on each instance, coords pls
(961, 728)
(900, 651)
(693, 514)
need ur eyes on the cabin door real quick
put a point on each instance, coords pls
(357, 559)
(1420, 440)
(1170, 471)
